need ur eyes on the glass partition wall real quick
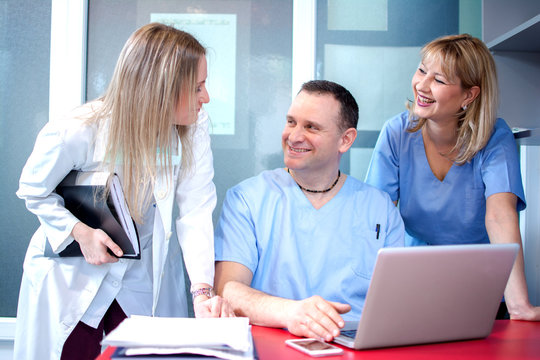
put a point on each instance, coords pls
(260, 51)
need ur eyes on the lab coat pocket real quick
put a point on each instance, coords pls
(38, 267)
(38, 271)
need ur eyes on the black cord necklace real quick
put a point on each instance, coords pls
(316, 191)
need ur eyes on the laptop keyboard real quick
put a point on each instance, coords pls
(348, 333)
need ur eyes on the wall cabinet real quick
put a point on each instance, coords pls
(511, 30)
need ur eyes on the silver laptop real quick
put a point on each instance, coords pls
(429, 294)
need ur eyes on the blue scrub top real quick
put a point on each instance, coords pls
(296, 251)
(451, 211)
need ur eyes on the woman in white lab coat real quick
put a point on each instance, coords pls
(151, 123)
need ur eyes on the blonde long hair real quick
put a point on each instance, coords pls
(157, 66)
(467, 58)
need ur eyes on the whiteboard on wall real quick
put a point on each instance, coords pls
(217, 33)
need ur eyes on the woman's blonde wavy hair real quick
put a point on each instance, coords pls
(157, 66)
(467, 58)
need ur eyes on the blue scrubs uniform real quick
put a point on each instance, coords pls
(296, 251)
(451, 211)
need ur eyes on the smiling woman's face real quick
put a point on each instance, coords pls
(436, 96)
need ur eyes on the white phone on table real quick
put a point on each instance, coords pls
(314, 347)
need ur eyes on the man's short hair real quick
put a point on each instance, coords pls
(348, 115)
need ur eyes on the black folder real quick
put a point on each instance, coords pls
(83, 197)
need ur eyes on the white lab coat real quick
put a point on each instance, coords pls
(55, 292)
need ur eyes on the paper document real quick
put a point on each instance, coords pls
(223, 352)
(228, 338)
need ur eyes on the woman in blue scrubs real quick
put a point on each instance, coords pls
(451, 163)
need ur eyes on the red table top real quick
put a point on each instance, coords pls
(509, 339)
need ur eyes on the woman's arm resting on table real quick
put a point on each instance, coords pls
(311, 317)
(503, 227)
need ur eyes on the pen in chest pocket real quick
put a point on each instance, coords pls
(377, 230)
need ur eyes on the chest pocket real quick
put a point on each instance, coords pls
(367, 240)
(475, 204)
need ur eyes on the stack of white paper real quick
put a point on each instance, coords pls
(226, 338)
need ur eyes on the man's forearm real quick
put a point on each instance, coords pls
(261, 308)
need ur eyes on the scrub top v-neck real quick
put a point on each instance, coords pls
(451, 211)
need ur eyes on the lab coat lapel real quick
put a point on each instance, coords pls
(162, 229)
(164, 195)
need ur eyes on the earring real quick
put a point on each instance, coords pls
(464, 107)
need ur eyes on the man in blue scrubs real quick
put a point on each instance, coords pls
(296, 246)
